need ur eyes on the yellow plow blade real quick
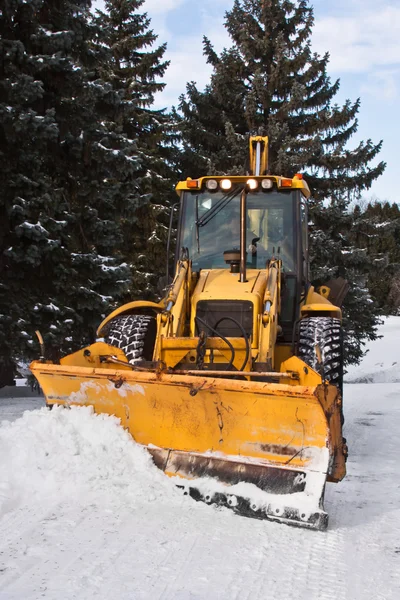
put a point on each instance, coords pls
(263, 449)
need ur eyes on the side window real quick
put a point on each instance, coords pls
(272, 222)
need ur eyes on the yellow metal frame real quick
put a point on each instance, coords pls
(318, 303)
(130, 307)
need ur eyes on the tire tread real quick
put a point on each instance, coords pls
(325, 332)
(134, 334)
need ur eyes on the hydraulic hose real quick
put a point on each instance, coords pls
(222, 338)
(244, 335)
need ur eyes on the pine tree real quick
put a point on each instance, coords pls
(269, 82)
(134, 68)
(59, 238)
(377, 229)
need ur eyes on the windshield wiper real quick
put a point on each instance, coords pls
(212, 212)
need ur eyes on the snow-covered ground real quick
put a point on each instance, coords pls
(85, 515)
(382, 363)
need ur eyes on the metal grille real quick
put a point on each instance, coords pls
(212, 311)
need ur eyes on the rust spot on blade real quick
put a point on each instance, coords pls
(276, 449)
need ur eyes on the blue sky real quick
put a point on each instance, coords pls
(362, 37)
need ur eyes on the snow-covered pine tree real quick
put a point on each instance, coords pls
(32, 214)
(134, 67)
(59, 233)
(270, 82)
(377, 229)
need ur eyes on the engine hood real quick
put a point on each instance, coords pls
(221, 284)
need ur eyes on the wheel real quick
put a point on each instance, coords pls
(325, 333)
(134, 334)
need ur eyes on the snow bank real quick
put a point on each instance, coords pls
(75, 456)
(381, 364)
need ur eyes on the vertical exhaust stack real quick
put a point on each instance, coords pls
(258, 155)
(243, 198)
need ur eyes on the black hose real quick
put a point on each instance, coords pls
(244, 335)
(296, 323)
(222, 338)
(294, 332)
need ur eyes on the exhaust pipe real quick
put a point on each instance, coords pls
(243, 203)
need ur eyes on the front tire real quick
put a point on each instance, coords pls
(325, 333)
(134, 334)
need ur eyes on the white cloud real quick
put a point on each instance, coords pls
(187, 62)
(363, 42)
(161, 6)
(383, 85)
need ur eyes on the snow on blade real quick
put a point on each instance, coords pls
(74, 455)
(306, 502)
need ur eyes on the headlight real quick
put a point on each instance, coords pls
(211, 184)
(267, 184)
(226, 184)
(252, 183)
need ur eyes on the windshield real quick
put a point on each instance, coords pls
(211, 225)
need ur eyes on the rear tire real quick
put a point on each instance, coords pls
(325, 332)
(134, 334)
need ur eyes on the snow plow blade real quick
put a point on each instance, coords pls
(264, 450)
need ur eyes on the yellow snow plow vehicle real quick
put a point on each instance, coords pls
(233, 381)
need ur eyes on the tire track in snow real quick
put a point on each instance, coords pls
(360, 508)
(21, 555)
(39, 552)
(128, 555)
